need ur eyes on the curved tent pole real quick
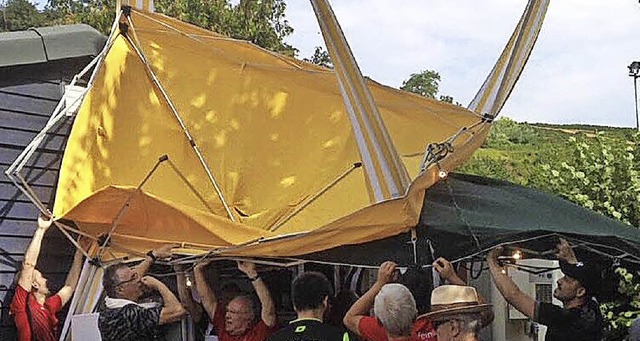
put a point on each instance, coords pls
(386, 175)
(502, 79)
(173, 109)
(497, 105)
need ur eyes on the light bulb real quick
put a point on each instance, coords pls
(517, 254)
(188, 281)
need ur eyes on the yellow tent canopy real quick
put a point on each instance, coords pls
(190, 137)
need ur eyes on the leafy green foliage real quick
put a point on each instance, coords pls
(602, 175)
(261, 22)
(425, 83)
(506, 133)
(18, 15)
(621, 312)
(448, 99)
(98, 14)
(320, 57)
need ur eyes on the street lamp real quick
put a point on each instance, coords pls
(634, 71)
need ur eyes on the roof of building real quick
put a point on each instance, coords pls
(43, 44)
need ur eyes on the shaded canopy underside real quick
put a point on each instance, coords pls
(495, 212)
(272, 130)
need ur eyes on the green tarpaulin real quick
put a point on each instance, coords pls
(466, 215)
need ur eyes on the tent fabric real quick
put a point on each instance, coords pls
(495, 212)
(498, 86)
(386, 175)
(273, 131)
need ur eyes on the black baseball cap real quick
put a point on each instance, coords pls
(588, 275)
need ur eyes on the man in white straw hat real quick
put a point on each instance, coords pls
(456, 312)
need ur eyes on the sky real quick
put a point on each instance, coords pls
(577, 72)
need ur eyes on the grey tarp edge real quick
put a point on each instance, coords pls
(39, 45)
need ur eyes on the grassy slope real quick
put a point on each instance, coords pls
(516, 151)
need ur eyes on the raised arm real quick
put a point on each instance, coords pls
(162, 252)
(209, 300)
(184, 294)
(72, 278)
(361, 307)
(33, 251)
(172, 310)
(446, 271)
(507, 287)
(268, 313)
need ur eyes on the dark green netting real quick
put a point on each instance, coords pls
(465, 215)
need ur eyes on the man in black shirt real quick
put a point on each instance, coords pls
(310, 292)
(579, 318)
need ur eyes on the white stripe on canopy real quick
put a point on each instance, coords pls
(498, 86)
(387, 176)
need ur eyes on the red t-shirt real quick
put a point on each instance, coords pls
(259, 332)
(43, 317)
(371, 330)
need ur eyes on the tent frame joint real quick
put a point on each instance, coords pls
(488, 117)
(126, 10)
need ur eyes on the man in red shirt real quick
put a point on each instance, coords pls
(33, 307)
(358, 321)
(238, 320)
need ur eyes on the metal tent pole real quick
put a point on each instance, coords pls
(192, 142)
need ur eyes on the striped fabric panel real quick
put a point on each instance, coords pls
(498, 86)
(387, 177)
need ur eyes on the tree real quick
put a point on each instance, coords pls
(320, 57)
(425, 83)
(602, 174)
(98, 14)
(449, 99)
(18, 15)
(261, 22)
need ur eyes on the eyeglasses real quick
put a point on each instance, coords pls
(133, 278)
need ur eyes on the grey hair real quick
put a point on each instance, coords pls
(468, 323)
(395, 308)
(250, 302)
